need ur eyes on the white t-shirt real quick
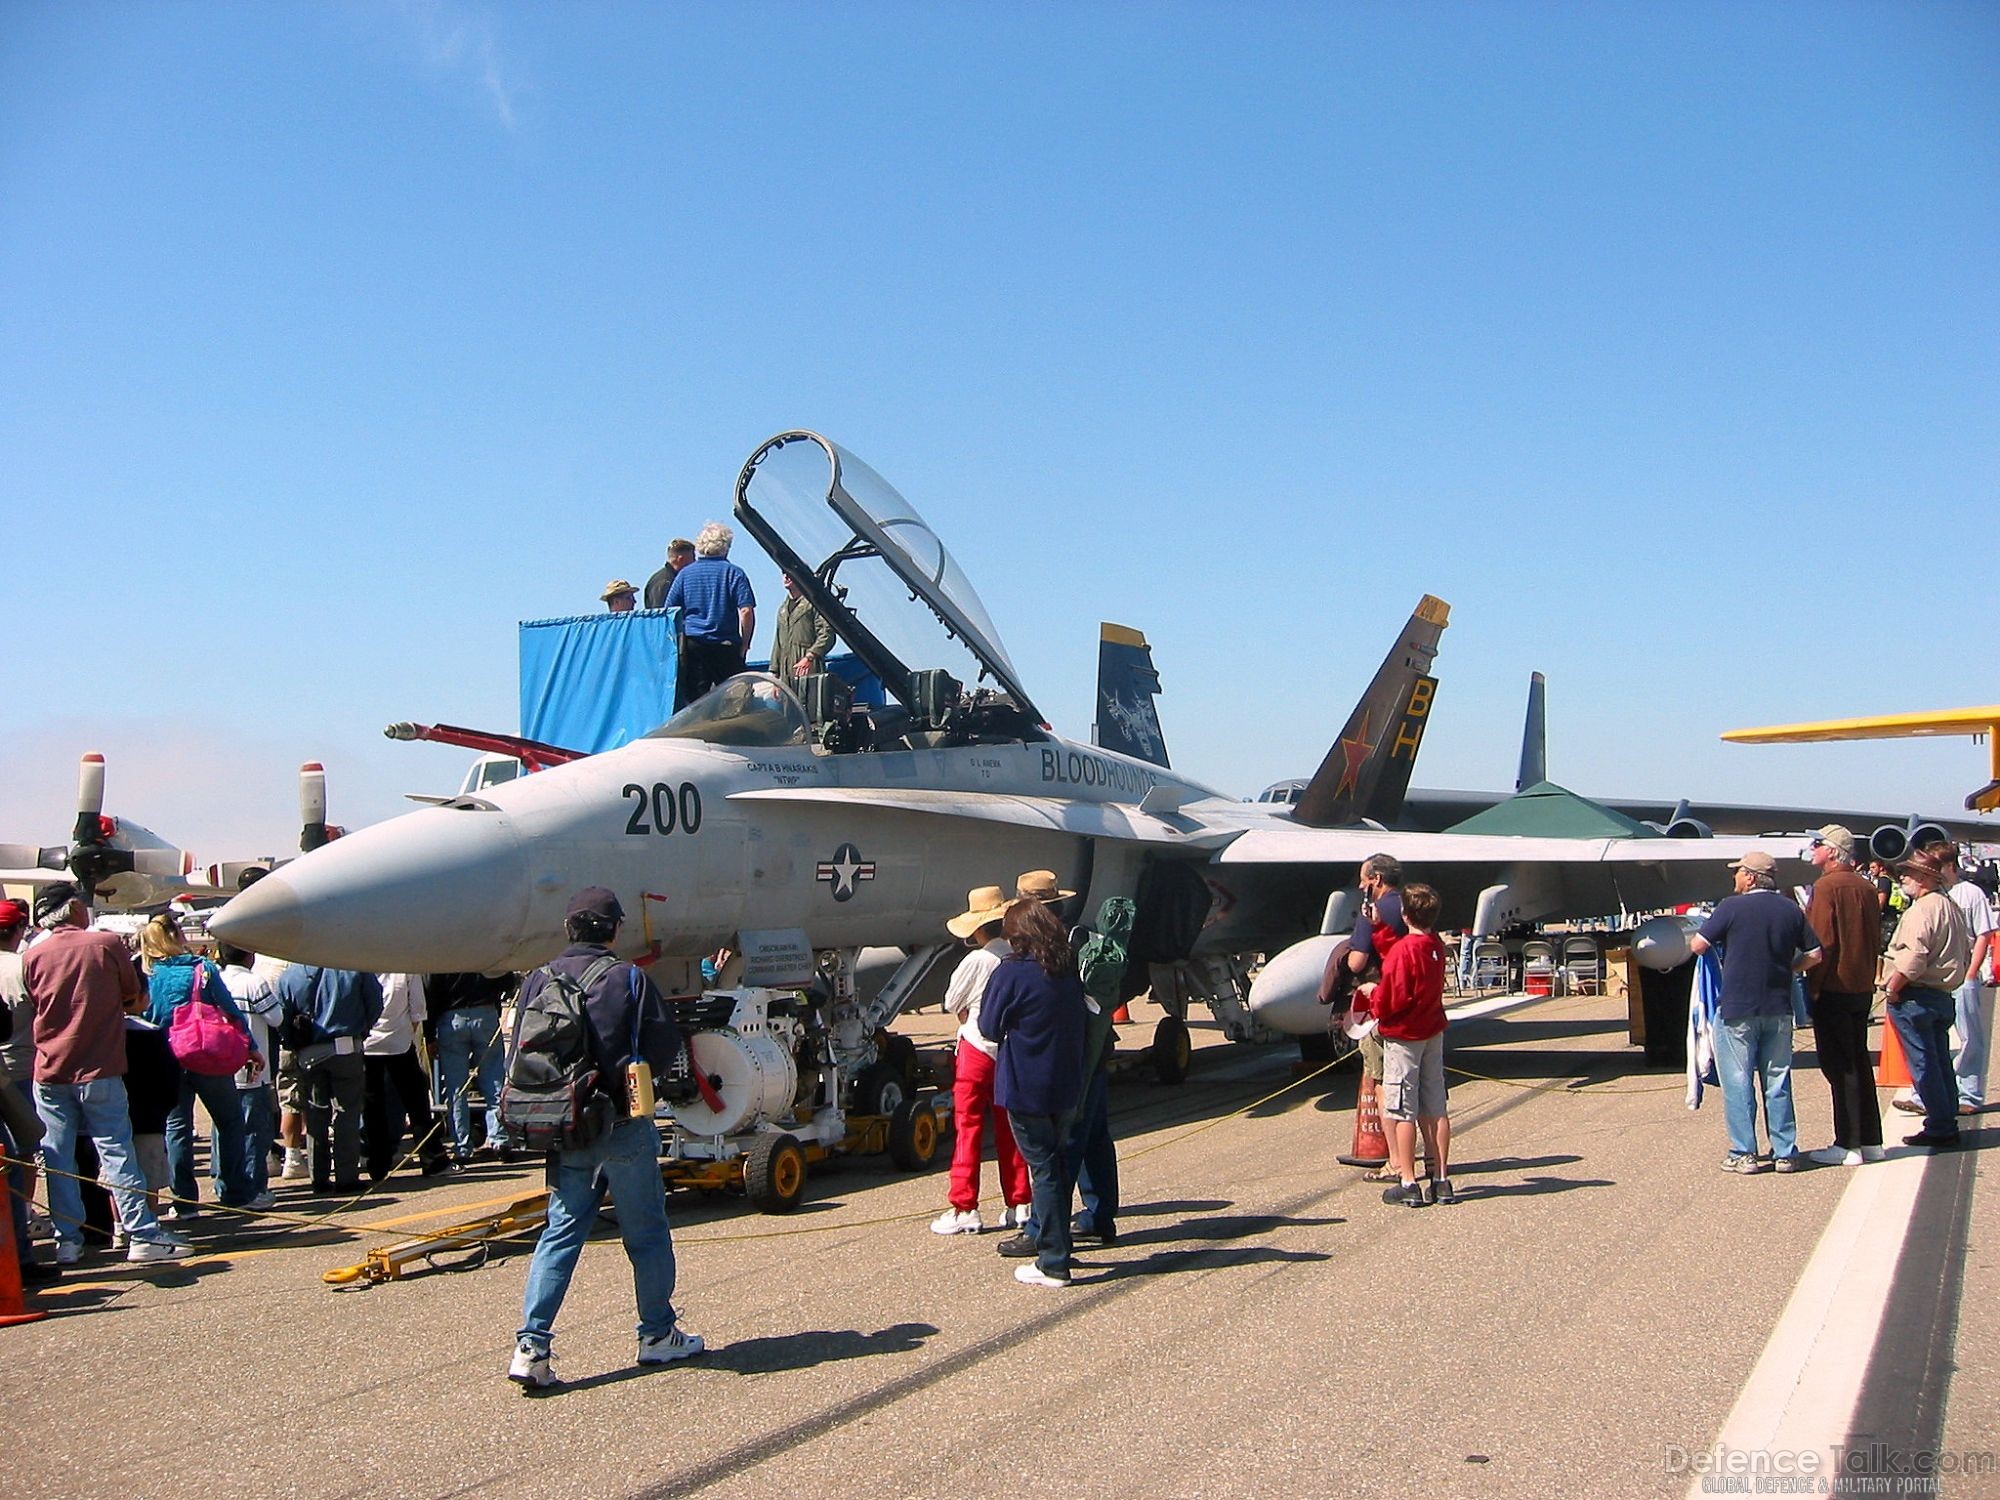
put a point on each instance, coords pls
(968, 987)
(1979, 916)
(259, 1004)
(402, 1013)
(18, 1054)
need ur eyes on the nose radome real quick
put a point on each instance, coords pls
(440, 890)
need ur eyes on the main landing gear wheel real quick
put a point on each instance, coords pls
(1173, 1050)
(900, 1053)
(880, 1089)
(913, 1135)
(774, 1173)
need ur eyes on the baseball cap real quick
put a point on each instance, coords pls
(595, 901)
(1757, 862)
(12, 914)
(1838, 837)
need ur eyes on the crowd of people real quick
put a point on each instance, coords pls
(1783, 966)
(719, 614)
(308, 1076)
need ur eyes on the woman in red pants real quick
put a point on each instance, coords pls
(972, 1086)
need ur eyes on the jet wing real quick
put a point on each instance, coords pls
(1085, 819)
(1343, 846)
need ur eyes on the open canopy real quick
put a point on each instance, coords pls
(861, 552)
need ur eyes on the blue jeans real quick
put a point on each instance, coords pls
(1041, 1138)
(1923, 1022)
(258, 1112)
(217, 1093)
(1091, 1157)
(1754, 1055)
(97, 1109)
(625, 1159)
(1969, 1061)
(469, 1042)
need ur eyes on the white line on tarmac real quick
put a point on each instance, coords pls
(1473, 1009)
(1801, 1396)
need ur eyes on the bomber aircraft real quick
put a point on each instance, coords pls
(760, 818)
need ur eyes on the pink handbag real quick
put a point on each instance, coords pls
(201, 1037)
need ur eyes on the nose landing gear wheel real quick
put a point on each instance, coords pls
(774, 1173)
(1173, 1050)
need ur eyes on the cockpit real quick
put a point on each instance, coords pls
(750, 709)
(873, 568)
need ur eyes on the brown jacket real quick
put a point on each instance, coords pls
(1843, 912)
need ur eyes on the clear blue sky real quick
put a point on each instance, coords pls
(1659, 340)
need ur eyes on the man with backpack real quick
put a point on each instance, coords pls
(583, 1022)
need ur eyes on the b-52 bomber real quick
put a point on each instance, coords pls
(763, 820)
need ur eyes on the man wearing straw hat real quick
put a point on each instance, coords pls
(1928, 960)
(973, 1070)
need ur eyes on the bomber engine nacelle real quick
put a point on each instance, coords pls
(1285, 995)
(1890, 843)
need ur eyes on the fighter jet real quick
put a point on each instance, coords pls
(762, 819)
(125, 866)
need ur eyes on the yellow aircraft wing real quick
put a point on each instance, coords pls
(1973, 721)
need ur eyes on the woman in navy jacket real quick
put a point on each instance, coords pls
(1034, 1008)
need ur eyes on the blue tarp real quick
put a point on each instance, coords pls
(595, 682)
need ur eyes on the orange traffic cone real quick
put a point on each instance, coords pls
(1893, 1072)
(1371, 1147)
(13, 1307)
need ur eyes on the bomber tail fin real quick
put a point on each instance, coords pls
(1127, 720)
(1535, 735)
(1367, 772)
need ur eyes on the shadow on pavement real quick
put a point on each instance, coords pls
(1220, 1227)
(769, 1356)
(1533, 1187)
(1166, 1262)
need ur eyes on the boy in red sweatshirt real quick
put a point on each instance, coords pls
(1408, 1006)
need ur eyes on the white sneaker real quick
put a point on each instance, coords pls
(165, 1248)
(675, 1343)
(1835, 1156)
(957, 1221)
(530, 1368)
(41, 1226)
(261, 1203)
(1872, 1153)
(297, 1169)
(1033, 1275)
(68, 1252)
(119, 1238)
(1015, 1217)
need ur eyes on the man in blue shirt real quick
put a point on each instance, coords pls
(718, 614)
(1764, 940)
(341, 1006)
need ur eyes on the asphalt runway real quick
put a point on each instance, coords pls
(1597, 1302)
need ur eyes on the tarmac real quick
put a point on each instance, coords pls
(1603, 1313)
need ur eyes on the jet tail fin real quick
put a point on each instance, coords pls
(1535, 735)
(1127, 720)
(1367, 772)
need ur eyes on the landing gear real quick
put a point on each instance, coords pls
(1173, 1050)
(880, 1089)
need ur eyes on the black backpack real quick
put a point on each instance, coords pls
(551, 1100)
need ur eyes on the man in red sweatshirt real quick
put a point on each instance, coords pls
(1408, 1006)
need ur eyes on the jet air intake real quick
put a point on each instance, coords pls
(1890, 843)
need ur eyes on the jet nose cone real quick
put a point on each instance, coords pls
(440, 890)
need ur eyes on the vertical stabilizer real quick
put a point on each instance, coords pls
(1367, 772)
(1535, 735)
(1127, 720)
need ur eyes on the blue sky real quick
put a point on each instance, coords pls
(1660, 341)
